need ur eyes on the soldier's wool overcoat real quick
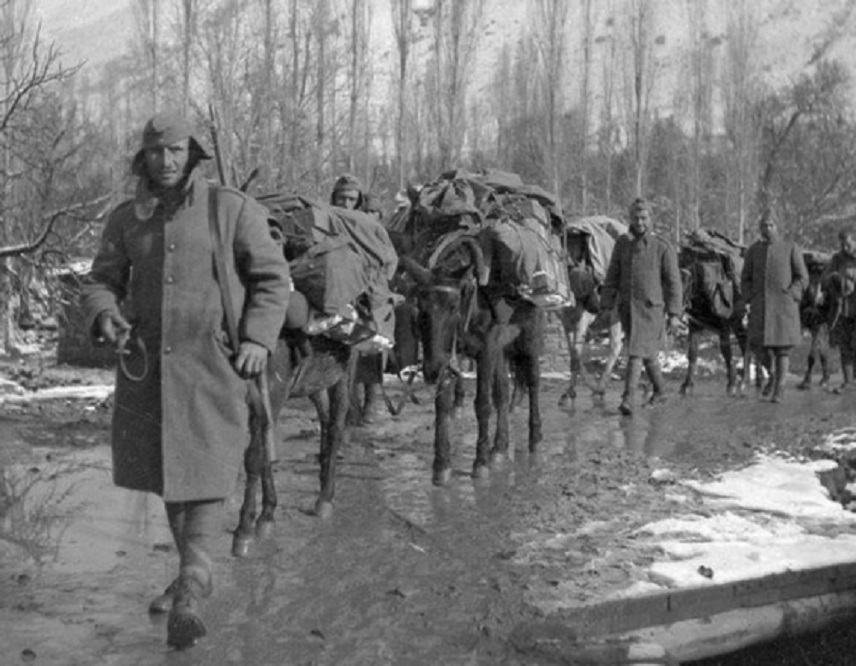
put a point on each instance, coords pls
(644, 283)
(180, 430)
(772, 282)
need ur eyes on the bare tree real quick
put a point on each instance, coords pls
(39, 145)
(456, 27)
(739, 96)
(146, 13)
(642, 72)
(404, 31)
(550, 38)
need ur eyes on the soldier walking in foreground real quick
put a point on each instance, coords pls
(774, 276)
(644, 283)
(181, 417)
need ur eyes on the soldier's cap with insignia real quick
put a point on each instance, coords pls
(165, 129)
(639, 205)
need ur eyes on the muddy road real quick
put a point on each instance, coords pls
(403, 572)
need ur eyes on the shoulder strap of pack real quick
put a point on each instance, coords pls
(221, 274)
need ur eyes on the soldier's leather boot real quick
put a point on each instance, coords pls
(658, 385)
(185, 626)
(631, 383)
(201, 521)
(780, 374)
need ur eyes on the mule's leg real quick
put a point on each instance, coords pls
(254, 461)
(728, 358)
(485, 371)
(615, 342)
(813, 350)
(533, 380)
(499, 451)
(459, 392)
(823, 354)
(443, 411)
(331, 439)
(571, 337)
(693, 335)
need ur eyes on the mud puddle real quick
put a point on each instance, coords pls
(403, 572)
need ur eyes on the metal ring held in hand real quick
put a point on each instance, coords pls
(123, 352)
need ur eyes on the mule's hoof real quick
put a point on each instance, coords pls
(442, 477)
(481, 471)
(264, 529)
(497, 459)
(241, 545)
(323, 509)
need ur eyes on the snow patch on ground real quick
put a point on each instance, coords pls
(776, 486)
(843, 439)
(94, 392)
(767, 522)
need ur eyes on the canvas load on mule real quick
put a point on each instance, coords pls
(341, 261)
(714, 263)
(593, 237)
(516, 224)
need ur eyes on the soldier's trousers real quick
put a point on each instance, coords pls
(196, 526)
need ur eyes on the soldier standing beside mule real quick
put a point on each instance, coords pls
(839, 279)
(644, 283)
(348, 193)
(774, 276)
(181, 417)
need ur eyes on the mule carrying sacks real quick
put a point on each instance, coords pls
(513, 222)
(341, 261)
(714, 262)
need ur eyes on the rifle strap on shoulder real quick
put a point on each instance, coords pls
(258, 393)
(221, 274)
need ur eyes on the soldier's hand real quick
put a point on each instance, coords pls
(113, 328)
(251, 359)
(673, 324)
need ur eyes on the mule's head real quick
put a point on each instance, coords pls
(444, 294)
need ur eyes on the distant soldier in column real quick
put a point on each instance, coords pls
(348, 193)
(839, 282)
(773, 279)
(644, 283)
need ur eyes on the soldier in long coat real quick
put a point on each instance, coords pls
(180, 421)
(643, 281)
(772, 282)
(348, 193)
(839, 281)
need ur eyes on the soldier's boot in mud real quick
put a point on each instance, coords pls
(631, 385)
(175, 517)
(780, 373)
(185, 625)
(658, 386)
(201, 521)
